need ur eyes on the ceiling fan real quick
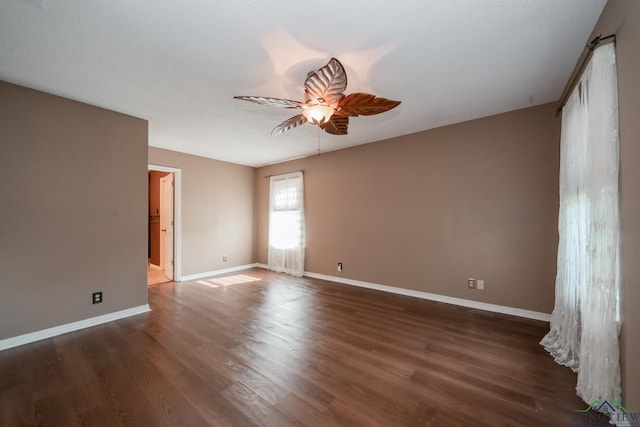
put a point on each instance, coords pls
(325, 103)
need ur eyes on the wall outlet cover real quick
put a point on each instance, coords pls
(96, 298)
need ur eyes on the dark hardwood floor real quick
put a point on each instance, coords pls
(258, 348)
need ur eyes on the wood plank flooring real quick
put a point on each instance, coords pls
(256, 348)
(155, 276)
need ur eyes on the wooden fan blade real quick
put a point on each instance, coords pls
(291, 123)
(364, 104)
(337, 125)
(326, 84)
(274, 102)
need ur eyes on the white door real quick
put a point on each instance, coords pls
(166, 225)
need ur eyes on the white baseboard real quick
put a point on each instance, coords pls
(216, 272)
(70, 327)
(93, 321)
(519, 312)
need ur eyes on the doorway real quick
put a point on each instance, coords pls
(163, 232)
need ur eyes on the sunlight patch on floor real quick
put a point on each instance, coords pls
(228, 280)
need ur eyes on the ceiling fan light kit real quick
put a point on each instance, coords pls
(317, 114)
(325, 102)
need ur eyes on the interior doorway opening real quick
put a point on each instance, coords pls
(163, 226)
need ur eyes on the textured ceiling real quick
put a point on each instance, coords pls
(179, 64)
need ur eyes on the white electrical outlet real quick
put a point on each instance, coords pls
(224, 258)
(480, 284)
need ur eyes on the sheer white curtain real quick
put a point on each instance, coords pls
(585, 320)
(286, 224)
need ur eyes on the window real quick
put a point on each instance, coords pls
(286, 224)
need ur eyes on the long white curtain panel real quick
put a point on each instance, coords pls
(586, 320)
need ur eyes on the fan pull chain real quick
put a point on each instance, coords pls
(318, 140)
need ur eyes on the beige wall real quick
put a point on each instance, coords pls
(217, 211)
(426, 211)
(73, 182)
(622, 17)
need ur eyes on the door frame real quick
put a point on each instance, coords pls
(167, 210)
(177, 217)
